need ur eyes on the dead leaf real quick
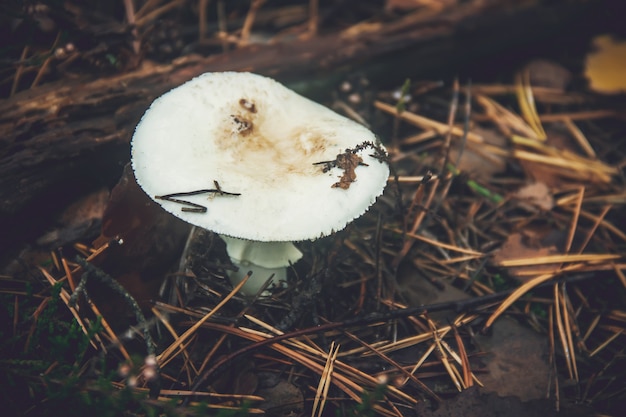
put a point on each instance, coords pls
(605, 66)
(151, 242)
(78, 221)
(536, 194)
(530, 243)
(478, 163)
(544, 73)
(347, 161)
(150, 236)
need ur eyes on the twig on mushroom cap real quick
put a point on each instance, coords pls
(193, 207)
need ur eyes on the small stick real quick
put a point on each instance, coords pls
(249, 21)
(188, 205)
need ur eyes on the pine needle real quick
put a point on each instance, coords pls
(443, 357)
(324, 384)
(164, 356)
(527, 104)
(560, 325)
(524, 288)
(580, 137)
(441, 245)
(174, 334)
(426, 123)
(553, 259)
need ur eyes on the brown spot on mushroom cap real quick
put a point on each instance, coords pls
(247, 105)
(246, 140)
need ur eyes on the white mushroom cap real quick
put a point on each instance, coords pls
(257, 138)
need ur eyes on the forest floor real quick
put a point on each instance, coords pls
(488, 279)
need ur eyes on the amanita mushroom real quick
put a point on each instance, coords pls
(243, 156)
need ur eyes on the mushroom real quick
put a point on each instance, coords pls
(245, 157)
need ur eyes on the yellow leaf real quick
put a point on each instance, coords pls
(606, 65)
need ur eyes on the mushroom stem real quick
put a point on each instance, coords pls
(262, 258)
